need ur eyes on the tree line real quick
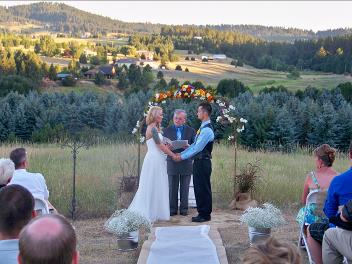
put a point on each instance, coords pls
(277, 120)
(331, 54)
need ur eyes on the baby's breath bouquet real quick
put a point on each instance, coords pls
(267, 216)
(125, 221)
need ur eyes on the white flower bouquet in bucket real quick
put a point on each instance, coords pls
(260, 220)
(126, 224)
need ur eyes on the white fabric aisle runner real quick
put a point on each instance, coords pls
(183, 244)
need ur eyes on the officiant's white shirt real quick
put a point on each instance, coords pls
(33, 182)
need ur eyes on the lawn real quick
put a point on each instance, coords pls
(100, 168)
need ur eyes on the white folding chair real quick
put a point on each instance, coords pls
(41, 206)
(311, 198)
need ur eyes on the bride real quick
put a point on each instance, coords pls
(152, 197)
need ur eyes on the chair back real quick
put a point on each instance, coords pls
(312, 197)
(40, 206)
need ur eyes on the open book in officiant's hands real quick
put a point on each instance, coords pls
(176, 144)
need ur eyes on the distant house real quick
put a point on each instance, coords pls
(148, 55)
(151, 63)
(63, 75)
(107, 70)
(197, 37)
(219, 57)
(89, 52)
(127, 62)
(90, 74)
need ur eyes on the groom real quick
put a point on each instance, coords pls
(201, 151)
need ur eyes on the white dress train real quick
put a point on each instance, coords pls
(152, 197)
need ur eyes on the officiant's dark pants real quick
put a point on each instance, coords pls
(202, 187)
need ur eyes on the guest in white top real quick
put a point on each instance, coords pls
(34, 182)
(16, 210)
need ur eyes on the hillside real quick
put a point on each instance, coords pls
(64, 18)
(281, 34)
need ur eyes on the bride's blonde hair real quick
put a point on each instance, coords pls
(153, 111)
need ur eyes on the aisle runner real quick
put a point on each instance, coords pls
(183, 244)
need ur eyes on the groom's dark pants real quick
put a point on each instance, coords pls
(202, 188)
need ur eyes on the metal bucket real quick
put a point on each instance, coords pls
(257, 235)
(128, 241)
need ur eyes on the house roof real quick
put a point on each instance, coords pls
(92, 71)
(107, 69)
(127, 61)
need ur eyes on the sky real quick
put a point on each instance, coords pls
(314, 15)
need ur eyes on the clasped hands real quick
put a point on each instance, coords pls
(177, 157)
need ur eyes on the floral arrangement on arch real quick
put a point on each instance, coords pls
(187, 91)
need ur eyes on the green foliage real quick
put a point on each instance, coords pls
(231, 88)
(99, 79)
(15, 83)
(52, 73)
(160, 75)
(294, 74)
(346, 90)
(178, 68)
(83, 59)
(69, 81)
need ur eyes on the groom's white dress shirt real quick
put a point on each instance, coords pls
(33, 182)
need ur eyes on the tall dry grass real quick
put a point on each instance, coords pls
(100, 167)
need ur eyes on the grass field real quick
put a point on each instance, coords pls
(212, 72)
(99, 169)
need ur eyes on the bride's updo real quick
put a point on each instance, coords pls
(153, 111)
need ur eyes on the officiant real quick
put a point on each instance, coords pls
(179, 173)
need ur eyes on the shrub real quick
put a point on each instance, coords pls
(15, 83)
(186, 70)
(69, 81)
(231, 88)
(178, 68)
(187, 58)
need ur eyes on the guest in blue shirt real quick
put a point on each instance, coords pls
(16, 210)
(339, 193)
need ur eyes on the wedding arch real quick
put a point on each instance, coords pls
(188, 92)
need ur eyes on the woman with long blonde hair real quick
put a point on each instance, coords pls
(152, 197)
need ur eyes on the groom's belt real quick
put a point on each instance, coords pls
(202, 158)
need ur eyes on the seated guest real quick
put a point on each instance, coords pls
(48, 239)
(337, 242)
(339, 193)
(7, 169)
(34, 182)
(318, 180)
(272, 252)
(16, 210)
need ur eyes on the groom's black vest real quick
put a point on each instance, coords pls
(206, 152)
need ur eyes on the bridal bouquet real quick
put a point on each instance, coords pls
(125, 221)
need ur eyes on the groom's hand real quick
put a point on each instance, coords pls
(177, 157)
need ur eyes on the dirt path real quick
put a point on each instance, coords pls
(98, 246)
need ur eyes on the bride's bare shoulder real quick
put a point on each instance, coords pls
(149, 132)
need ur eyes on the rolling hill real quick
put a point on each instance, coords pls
(60, 17)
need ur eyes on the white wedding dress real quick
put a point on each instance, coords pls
(152, 197)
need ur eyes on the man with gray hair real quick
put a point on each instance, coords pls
(179, 172)
(7, 168)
